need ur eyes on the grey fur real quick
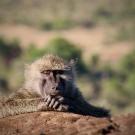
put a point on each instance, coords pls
(47, 89)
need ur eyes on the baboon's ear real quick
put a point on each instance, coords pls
(73, 62)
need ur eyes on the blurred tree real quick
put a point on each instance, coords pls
(127, 64)
(32, 52)
(119, 88)
(95, 76)
(9, 51)
(4, 88)
(66, 50)
(115, 93)
(130, 86)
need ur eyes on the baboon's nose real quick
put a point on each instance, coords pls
(53, 88)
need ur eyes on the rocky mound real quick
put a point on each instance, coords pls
(59, 123)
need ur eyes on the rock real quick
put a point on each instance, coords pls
(59, 123)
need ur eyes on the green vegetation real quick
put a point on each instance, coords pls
(60, 47)
(66, 50)
(126, 33)
(119, 89)
(57, 24)
(32, 53)
(9, 51)
(63, 48)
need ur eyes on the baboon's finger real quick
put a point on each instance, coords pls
(45, 99)
(62, 108)
(48, 100)
(55, 104)
(61, 99)
(59, 108)
(52, 102)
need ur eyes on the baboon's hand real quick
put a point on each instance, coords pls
(55, 103)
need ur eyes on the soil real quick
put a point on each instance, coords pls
(59, 123)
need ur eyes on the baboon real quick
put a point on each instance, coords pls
(49, 85)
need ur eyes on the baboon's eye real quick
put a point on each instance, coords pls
(58, 72)
(47, 72)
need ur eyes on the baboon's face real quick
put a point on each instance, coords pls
(55, 82)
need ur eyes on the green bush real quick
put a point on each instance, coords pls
(66, 50)
(9, 50)
(57, 24)
(115, 93)
(46, 25)
(95, 60)
(127, 64)
(57, 46)
(119, 89)
(32, 53)
(125, 33)
(130, 86)
(62, 24)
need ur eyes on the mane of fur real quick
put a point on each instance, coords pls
(47, 62)
(50, 62)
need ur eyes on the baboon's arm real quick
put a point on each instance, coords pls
(80, 106)
(20, 106)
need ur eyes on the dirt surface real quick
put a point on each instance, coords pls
(54, 123)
